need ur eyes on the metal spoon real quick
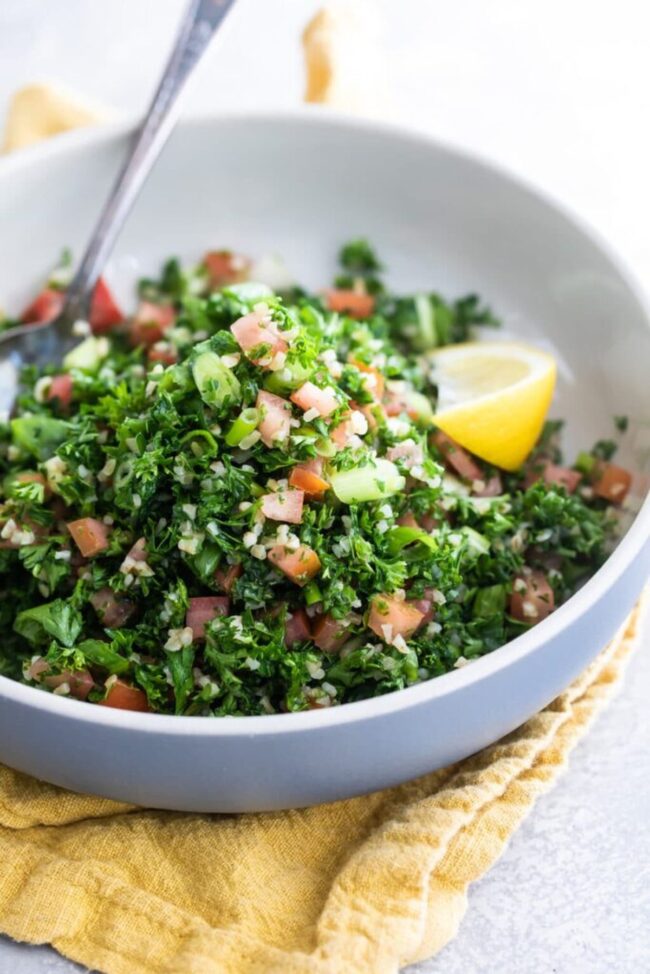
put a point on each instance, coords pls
(48, 343)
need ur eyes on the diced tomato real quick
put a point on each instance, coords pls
(613, 483)
(162, 352)
(374, 381)
(89, 535)
(308, 478)
(122, 696)
(204, 609)
(226, 577)
(61, 389)
(491, 487)
(105, 312)
(255, 330)
(390, 617)
(456, 457)
(426, 605)
(297, 627)
(284, 505)
(396, 397)
(36, 669)
(352, 303)
(532, 598)
(224, 267)
(309, 396)
(551, 473)
(45, 307)
(342, 433)
(429, 523)
(113, 612)
(300, 565)
(275, 425)
(408, 451)
(151, 323)
(408, 520)
(330, 634)
(79, 681)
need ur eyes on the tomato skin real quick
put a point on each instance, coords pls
(386, 610)
(310, 396)
(305, 479)
(254, 331)
(89, 535)
(113, 612)
(532, 598)
(45, 307)
(553, 474)
(275, 424)
(492, 487)
(613, 483)
(61, 389)
(122, 696)
(351, 303)
(284, 505)
(79, 681)
(225, 267)
(151, 323)
(426, 605)
(456, 457)
(330, 634)
(105, 313)
(297, 628)
(299, 565)
(204, 609)
(226, 577)
(166, 356)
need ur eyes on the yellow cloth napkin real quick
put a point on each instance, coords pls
(355, 887)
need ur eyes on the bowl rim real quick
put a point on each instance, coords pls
(447, 684)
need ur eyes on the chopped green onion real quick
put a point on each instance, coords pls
(205, 435)
(369, 483)
(293, 375)
(402, 537)
(585, 463)
(313, 594)
(243, 426)
(249, 291)
(477, 544)
(39, 435)
(489, 601)
(87, 355)
(216, 383)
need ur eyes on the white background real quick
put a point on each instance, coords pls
(560, 91)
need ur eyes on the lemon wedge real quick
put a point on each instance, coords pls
(493, 397)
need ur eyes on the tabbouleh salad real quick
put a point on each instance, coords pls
(235, 502)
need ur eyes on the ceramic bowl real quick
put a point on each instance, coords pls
(299, 184)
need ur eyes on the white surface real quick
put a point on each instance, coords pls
(559, 91)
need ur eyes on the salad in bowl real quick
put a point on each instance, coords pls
(245, 500)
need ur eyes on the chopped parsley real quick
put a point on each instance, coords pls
(233, 503)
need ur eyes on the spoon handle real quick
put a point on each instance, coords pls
(200, 22)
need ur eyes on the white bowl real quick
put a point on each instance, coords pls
(300, 184)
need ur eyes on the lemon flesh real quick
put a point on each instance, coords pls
(493, 398)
